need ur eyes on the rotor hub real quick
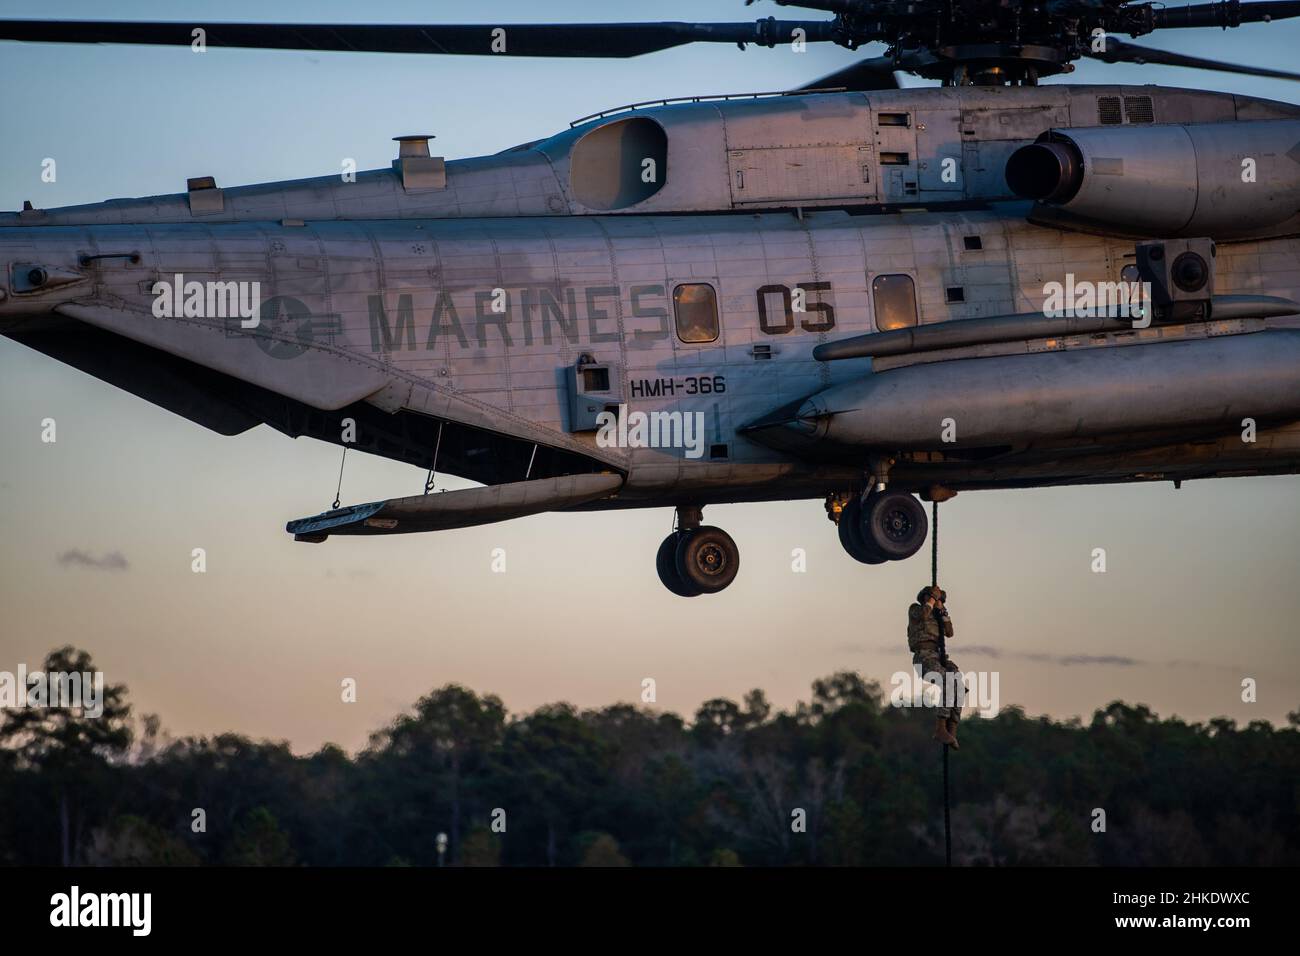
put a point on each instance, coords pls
(994, 64)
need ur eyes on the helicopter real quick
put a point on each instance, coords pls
(852, 291)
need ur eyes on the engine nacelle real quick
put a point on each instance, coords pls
(1224, 180)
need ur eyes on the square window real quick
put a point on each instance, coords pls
(695, 306)
(973, 242)
(895, 299)
(954, 293)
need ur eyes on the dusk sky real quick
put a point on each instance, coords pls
(1200, 589)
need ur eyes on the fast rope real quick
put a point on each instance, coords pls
(433, 468)
(338, 492)
(943, 656)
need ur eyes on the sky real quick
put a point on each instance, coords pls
(97, 529)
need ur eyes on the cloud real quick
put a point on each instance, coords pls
(110, 561)
(961, 652)
(1038, 657)
(1062, 660)
(1109, 659)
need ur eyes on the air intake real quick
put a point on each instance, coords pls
(1108, 111)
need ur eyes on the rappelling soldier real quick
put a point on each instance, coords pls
(928, 626)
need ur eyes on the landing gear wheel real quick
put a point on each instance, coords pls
(894, 524)
(707, 559)
(850, 529)
(666, 565)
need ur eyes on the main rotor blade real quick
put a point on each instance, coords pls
(1224, 14)
(876, 73)
(552, 39)
(1119, 51)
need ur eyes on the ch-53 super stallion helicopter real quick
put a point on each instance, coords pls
(844, 291)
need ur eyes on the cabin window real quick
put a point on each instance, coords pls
(695, 306)
(895, 298)
(619, 164)
(595, 379)
(954, 293)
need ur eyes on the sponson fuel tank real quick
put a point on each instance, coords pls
(1223, 180)
(1020, 400)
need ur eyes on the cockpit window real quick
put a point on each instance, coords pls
(895, 297)
(695, 305)
(620, 164)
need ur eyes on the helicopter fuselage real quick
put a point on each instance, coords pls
(681, 263)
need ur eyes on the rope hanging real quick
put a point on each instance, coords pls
(433, 469)
(338, 492)
(934, 548)
(943, 656)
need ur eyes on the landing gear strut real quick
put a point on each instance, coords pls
(882, 526)
(696, 558)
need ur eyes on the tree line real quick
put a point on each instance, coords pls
(842, 779)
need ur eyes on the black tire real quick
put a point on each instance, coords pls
(707, 559)
(666, 565)
(850, 531)
(894, 524)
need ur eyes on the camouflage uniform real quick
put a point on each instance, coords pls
(923, 642)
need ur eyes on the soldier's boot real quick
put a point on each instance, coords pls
(941, 733)
(952, 732)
